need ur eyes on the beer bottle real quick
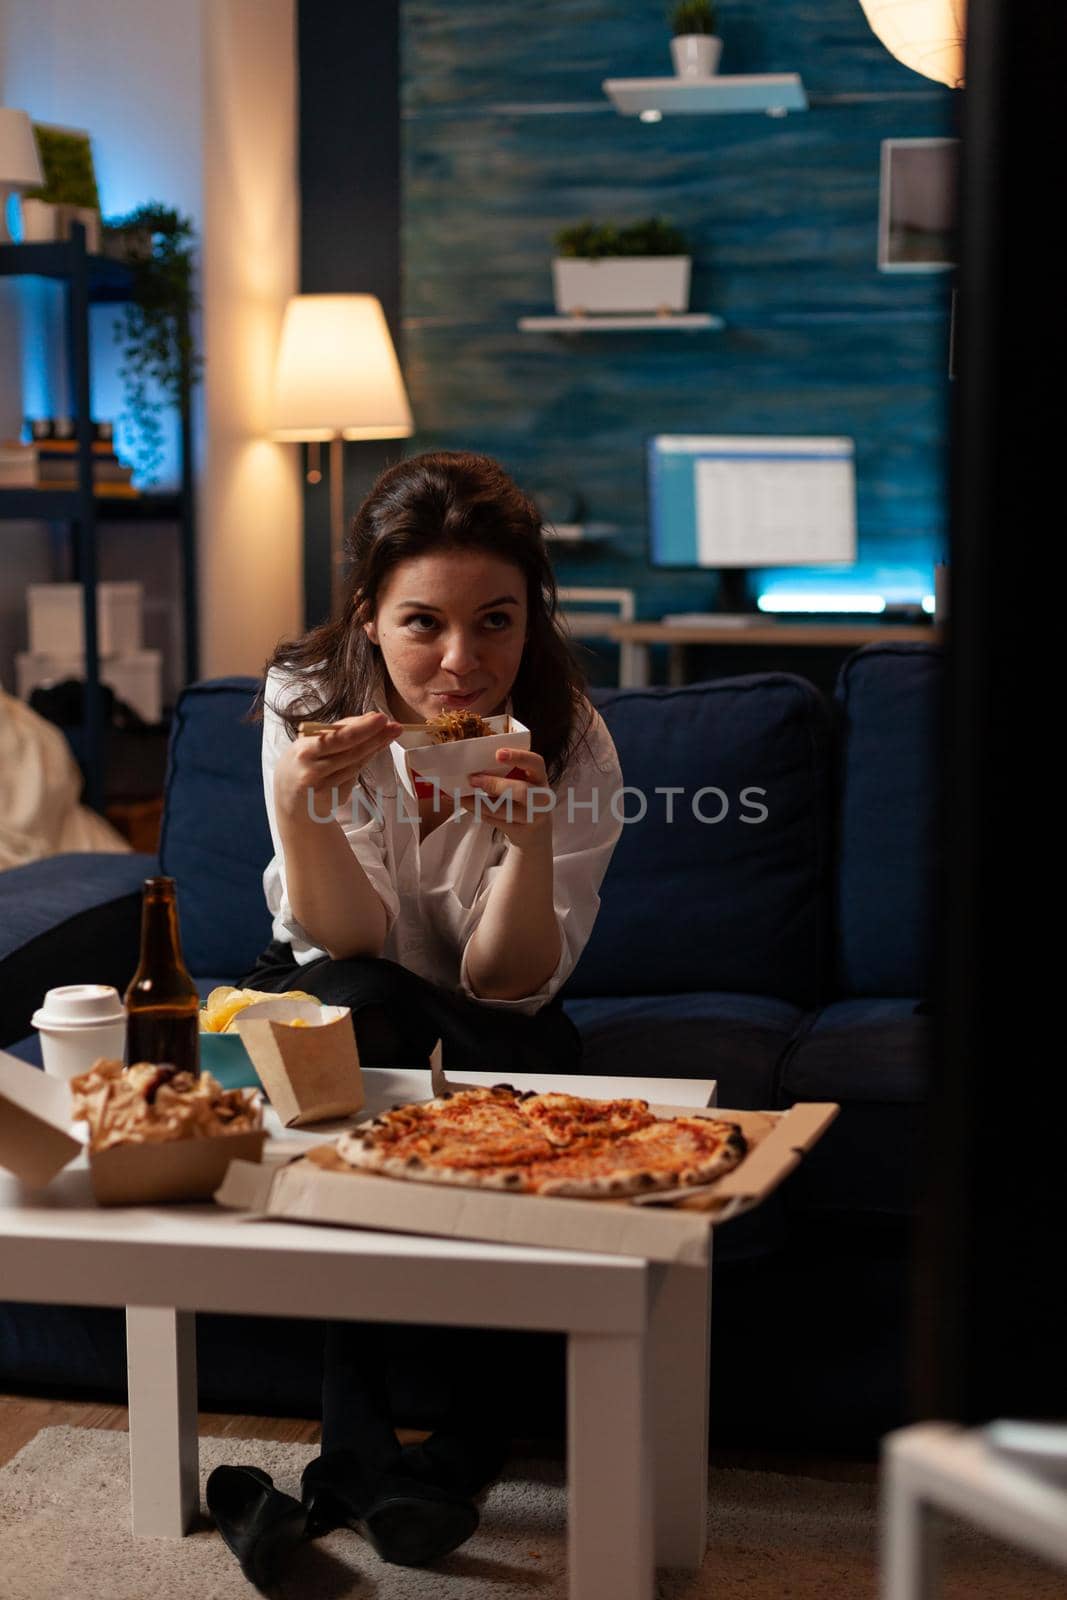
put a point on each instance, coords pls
(162, 1005)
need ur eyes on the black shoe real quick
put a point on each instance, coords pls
(463, 1463)
(408, 1523)
(257, 1521)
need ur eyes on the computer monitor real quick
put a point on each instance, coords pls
(732, 503)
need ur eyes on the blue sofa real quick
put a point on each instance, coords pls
(786, 954)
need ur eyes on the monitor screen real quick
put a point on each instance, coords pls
(751, 502)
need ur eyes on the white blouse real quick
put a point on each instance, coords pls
(434, 890)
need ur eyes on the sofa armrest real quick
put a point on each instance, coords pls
(72, 918)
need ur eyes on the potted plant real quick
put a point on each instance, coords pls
(696, 47)
(600, 267)
(69, 192)
(159, 357)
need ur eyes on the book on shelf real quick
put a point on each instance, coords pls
(55, 447)
(47, 463)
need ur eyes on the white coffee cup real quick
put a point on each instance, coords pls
(78, 1024)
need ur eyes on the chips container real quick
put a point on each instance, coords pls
(309, 1074)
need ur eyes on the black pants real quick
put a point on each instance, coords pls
(398, 1018)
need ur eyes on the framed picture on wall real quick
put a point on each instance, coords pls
(917, 205)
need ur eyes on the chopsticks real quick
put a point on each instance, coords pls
(309, 729)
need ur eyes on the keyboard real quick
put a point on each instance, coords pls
(716, 619)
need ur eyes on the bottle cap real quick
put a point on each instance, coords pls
(79, 1005)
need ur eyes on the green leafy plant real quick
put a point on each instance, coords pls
(159, 357)
(67, 162)
(592, 241)
(694, 16)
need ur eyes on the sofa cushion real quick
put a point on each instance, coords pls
(873, 1057)
(737, 1039)
(71, 918)
(215, 836)
(887, 707)
(738, 904)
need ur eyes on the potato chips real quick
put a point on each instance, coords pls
(150, 1104)
(224, 1003)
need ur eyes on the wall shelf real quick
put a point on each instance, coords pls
(774, 93)
(673, 322)
(57, 505)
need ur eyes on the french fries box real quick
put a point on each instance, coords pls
(319, 1187)
(417, 758)
(36, 1142)
(310, 1073)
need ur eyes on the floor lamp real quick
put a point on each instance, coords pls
(337, 378)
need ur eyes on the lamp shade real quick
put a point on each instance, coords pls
(337, 372)
(20, 163)
(926, 35)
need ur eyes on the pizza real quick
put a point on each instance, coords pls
(547, 1144)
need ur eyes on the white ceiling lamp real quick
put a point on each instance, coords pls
(926, 35)
(337, 377)
(20, 163)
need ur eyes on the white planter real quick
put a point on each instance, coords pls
(38, 221)
(622, 283)
(696, 55)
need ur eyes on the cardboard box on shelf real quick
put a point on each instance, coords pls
(36, 1142)
(56, 618)
(319, 1187)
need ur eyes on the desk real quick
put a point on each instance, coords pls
(635, 638)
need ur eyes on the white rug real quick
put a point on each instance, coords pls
(64, 1535)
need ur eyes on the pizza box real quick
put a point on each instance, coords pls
(38, 1138)
(318, 1187)
(417, 759)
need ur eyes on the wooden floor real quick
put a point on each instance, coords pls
(21, 1418)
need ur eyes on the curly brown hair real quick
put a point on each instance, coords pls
(444, 499)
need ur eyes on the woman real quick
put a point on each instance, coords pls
(431, 919)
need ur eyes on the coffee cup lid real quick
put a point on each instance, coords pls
(79, 1005)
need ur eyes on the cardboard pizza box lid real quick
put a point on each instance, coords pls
(317, 1188)
(35, 1141)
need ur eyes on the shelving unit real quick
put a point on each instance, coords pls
(95, 280)
(674, 322)
(774, 93)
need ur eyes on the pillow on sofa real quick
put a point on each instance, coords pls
(736, 904)
(215, 832)
(888, 709)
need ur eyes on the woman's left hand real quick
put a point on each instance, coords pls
(518, 801)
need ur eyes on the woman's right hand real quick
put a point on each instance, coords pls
(328, 765)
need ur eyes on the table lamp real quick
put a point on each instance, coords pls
(20, 162)
(337, 378)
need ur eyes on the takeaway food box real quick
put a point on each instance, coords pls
(317, 1186)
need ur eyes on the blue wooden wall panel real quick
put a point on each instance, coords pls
(507, 137)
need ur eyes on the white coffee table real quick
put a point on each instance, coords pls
(637, 1337)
